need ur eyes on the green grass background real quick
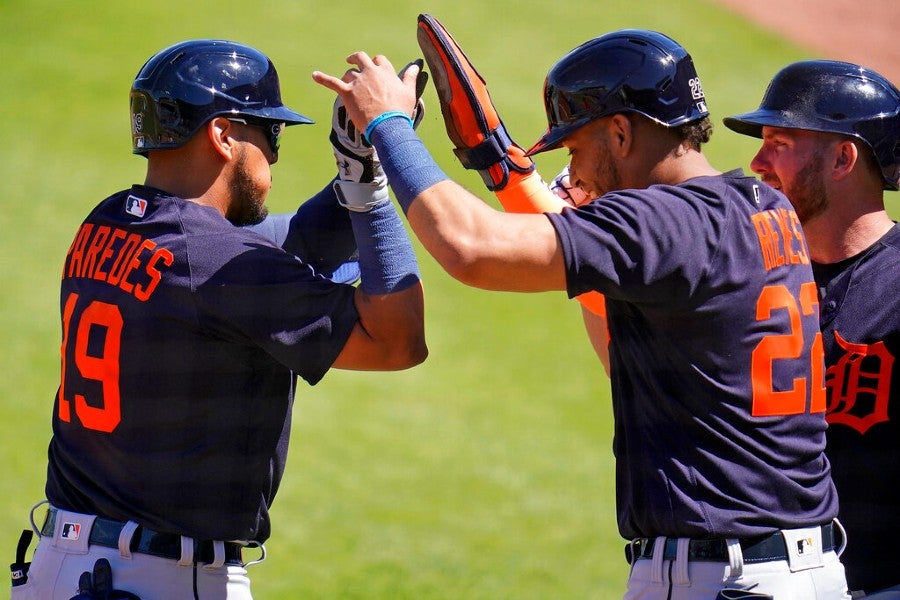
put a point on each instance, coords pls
(487, 472)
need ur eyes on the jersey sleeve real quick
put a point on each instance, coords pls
(649, 248)
(319, 233)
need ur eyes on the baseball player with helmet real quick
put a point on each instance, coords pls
(716, 367)
(830, 135)
(184, 332)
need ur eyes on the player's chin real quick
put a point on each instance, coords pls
(250, 213)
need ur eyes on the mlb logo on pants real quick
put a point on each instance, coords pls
(70, 531)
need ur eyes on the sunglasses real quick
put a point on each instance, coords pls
(272, 130)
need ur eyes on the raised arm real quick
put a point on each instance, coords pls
(390, 332)
(473, 242)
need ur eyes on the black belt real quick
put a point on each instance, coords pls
(755, 550)
(105, 532)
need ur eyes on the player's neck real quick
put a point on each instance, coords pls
(679, 166)
(839, 233)
(181, 174)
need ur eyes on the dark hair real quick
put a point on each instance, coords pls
(695, 133)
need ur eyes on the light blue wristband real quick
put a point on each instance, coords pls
(367, 135)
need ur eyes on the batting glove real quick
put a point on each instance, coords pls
(563, 188)
(361, 183)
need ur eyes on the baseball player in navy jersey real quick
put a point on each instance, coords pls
(831, 143)
(183, 334)
(715, 361)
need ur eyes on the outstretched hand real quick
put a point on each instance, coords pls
(372, 88)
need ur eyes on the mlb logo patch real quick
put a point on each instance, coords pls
(805, 545)
(135, 206)
(70, 531)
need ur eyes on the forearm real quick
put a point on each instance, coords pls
(387, 261)
(320, 232)
(474, 243)
(598, 333)
(389, 300)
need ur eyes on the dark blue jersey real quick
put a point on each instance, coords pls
(861, 333)
(320, 233)
(182, 339)
(716, 359)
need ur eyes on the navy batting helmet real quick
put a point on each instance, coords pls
(183, 86)
(833, 97)
(633, 70)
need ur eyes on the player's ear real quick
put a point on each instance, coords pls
(621, 131)
(220, 133)
(845, 156)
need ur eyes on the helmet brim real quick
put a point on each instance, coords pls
(553, 138)
(751, 123)
(280, 114)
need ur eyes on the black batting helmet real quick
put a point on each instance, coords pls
(833, 97)
(633, 70)
(185, 85)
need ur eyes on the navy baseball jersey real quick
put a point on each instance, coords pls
(182, 336)
(716, 356)
(861, 334)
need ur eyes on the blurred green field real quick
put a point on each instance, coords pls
(485, 473)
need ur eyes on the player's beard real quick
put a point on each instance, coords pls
(807, 192)
(605, 176)
(249, 196)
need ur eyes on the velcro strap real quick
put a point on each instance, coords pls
(492, 150)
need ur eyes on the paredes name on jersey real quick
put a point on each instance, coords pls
(115, 255)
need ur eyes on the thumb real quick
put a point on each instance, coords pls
(410, 74)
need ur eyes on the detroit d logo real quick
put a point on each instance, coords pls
(859, 385)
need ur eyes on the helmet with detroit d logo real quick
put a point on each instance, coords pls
(832, 97)
(185, 85)
(633, 70)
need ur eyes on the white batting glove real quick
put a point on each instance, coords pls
(361, 183)
(563, 188)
